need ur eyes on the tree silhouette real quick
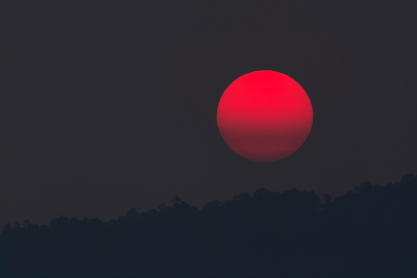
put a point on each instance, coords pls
(368, 232)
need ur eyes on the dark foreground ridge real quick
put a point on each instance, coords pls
(368, 232)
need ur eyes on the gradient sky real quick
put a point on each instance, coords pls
(109, 106)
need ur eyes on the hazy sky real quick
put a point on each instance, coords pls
(109, 106)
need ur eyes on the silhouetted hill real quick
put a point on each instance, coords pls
(368, 232)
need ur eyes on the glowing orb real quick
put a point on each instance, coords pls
(264, 116)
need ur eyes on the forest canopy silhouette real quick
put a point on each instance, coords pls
(368, 232)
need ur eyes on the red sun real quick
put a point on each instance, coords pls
(264, 116)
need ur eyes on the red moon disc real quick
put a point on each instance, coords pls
(264, 116)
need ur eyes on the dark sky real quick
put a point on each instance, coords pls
(107, 106)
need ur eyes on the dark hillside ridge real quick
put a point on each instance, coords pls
(368, 232)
